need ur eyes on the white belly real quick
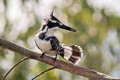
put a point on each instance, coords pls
(45, 46)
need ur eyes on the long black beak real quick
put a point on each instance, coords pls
(67, 28)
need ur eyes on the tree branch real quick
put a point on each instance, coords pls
(91, 74)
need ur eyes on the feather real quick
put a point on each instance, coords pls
(73, 53)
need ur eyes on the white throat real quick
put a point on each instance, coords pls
(50, 33)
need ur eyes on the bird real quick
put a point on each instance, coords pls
(46, 40)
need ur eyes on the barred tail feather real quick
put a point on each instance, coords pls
(73, 53)
(77, 54)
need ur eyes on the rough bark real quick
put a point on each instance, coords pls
(77, 70)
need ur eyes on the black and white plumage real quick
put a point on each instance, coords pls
(48, 43)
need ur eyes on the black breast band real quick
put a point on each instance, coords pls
(42, 36)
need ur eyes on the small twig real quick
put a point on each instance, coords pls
(22, 60)
(43, 72)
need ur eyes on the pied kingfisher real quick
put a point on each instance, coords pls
(48, 43)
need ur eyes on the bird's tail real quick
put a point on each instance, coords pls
(72, 53)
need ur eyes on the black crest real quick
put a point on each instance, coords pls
(52, 17)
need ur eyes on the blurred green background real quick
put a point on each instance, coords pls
(97, 22)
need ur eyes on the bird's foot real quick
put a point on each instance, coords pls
(42, 55)
(55, 57)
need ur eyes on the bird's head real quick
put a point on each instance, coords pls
(52, 24)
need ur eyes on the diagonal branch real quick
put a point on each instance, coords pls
(91, 74)
(43, 72)
(22, 60)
